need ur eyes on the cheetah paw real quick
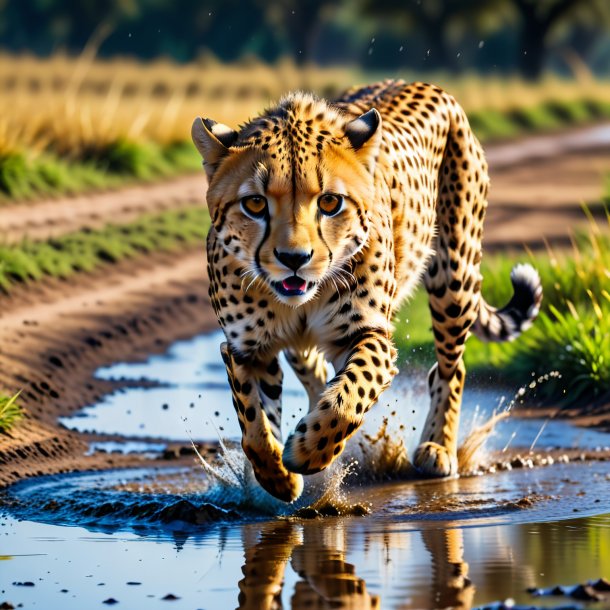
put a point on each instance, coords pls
(287, 487)
(272, 476)
(435, 461)
(316, 443)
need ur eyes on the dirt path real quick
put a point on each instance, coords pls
(538, 185)
(541, 200)
(54, 335)
(52, 217)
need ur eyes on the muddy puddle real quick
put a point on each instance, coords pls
(209, 538)
(138, 537)
(190, 399)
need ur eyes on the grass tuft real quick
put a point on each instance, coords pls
(26, 176)
(571, 335)
(10, 412)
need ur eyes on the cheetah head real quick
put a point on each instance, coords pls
(288, 194)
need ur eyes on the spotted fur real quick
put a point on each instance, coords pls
(287, 274)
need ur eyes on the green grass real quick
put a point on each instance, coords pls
(88, 249)
(24, 176)
(571, 336)
(10, 412)
(493, 125)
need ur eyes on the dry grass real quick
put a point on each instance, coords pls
(73, 106)
(70, 107)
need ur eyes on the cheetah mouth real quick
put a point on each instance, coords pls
(292, 286)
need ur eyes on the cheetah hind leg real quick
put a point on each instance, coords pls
(436, 456)
(453, 282)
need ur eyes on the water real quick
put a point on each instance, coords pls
(192, 400)
(213, 539)
(405, 554)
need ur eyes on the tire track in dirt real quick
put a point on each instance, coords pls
(54, 334)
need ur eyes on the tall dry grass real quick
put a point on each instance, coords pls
(74, 105)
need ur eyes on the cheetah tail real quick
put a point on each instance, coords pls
(510, 321)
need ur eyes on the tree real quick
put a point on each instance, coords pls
(299, 22)
(538, 18)
(434, 18)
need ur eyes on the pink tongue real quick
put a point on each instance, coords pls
(294, 283)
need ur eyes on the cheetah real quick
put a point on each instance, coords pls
(324, 218)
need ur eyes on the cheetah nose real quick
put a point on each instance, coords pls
(293, 260)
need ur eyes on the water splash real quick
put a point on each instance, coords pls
(232, 484)
(373, 458)
(469, 453)
(370, 458)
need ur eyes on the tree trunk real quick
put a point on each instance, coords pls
(532, 49)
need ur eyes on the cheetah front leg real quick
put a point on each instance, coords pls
(257, 391)
(311, 369)
(321, 435)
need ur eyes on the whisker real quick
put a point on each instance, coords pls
(256, 277)
(342, 280)
(347, 279)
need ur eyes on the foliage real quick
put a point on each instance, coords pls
(380, 34)
(86, 250)
(575, 342)
(10, 412)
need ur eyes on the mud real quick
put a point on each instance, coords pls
(54, 336)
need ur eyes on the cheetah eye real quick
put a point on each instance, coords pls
(254, 206)
(330, 204)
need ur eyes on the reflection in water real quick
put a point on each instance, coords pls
(267, 549)
(327, 580)
(451, 586)
(403, 569)
(317, 554)
(458, 543)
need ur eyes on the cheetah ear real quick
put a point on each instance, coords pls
(364, 135)
(212, 140)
